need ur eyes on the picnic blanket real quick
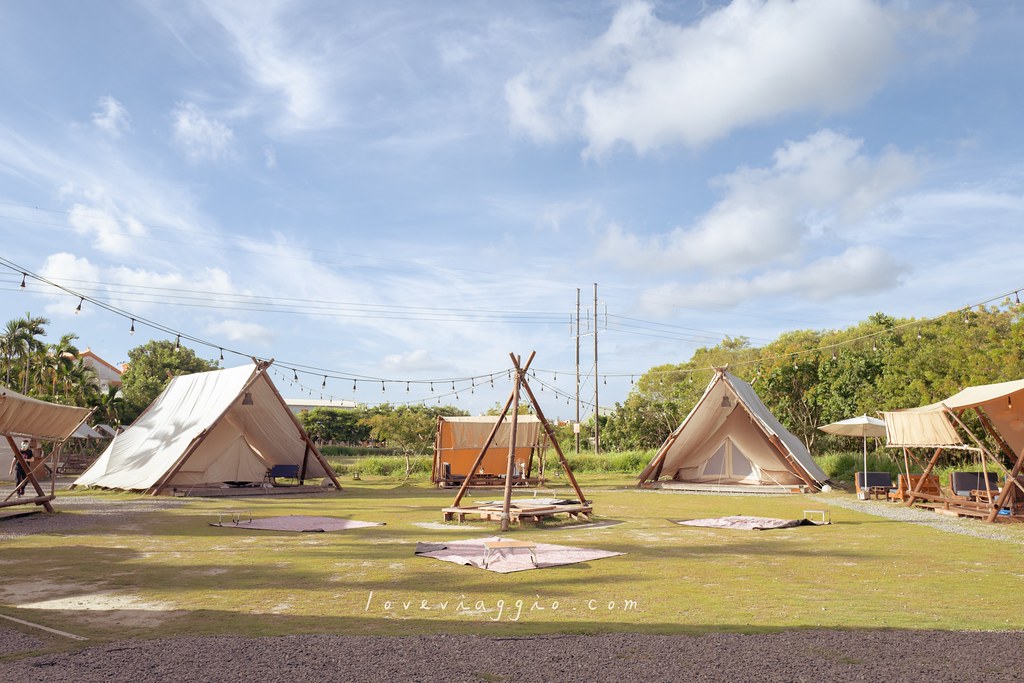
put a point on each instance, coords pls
(472, 552)
(295, 523)
(746, 522)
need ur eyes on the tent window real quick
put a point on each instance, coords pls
(741, 466)
(717, 463)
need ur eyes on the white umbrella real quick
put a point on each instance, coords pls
(863, 427)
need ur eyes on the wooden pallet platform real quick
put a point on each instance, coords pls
(518, 513)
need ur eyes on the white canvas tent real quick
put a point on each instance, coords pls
(731, 438)
(208, 428)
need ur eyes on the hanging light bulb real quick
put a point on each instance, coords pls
(222, 355)
(407, 387)
(24, 275)
(431, 387)
(131, 330)
(353, 386)
(177, 343)
(324, 384)
(382, 389)
(453, 385)
(1016, 296)
(919, 335)
(631, 379)
(78, 308)
(295, 375)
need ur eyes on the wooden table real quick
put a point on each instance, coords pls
(879, 492)
(491, 546)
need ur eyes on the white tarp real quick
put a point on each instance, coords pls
(206, 419)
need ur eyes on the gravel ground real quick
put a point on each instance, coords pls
(814, 656)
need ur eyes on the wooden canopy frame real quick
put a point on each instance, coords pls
(521, 384)
(41, 498)
(989, 509)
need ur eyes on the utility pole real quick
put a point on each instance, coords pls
(597, 403)
(576, 426)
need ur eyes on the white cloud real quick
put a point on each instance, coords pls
(297, 66)
(817, 186)
(201, 138)
(415, 360)
(241, 331)
(649, 83)
(859, 270)
(111, 229)
(269, 156)
(112, 118)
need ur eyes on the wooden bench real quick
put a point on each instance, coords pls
(283, 471)
(491, 546)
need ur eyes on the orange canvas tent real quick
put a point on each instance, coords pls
(458, 441)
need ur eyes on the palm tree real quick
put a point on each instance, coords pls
(60, 359)
(34, 327)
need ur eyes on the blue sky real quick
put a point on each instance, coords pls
(409, 191)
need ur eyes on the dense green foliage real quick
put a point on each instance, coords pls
(809, 378)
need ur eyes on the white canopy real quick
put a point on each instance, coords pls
(208, 428)
(21, 415)
(930, 425)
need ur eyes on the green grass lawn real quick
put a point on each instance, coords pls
(170, 572)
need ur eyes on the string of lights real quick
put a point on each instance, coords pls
(446, 387)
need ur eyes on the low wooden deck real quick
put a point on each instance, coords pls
(519, 513)
(242, 491)
(670, 485)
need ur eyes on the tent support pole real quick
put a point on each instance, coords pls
(487, 444)
(924, 475)
(506, 505)
(551, 434)
(994, 505)
(40, 498)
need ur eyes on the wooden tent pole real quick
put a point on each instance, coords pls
(994, 505)
(914, 490)
(506, 506)
(551, 435)
(483, 451)
(310, 446)
(40, 498)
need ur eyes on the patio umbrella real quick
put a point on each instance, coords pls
(863, 427)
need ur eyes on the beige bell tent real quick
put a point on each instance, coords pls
(731, 439)
(209, 429)
(458, 441)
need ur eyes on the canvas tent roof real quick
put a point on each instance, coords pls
(208, 427)
(22, 415)
(930, 425)
(730, 433)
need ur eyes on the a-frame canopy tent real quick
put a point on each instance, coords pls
(940, 426)
(730, 438)
(458, 441)
(208, 429)
(25, 417)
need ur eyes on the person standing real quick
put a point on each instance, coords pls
(18, 470)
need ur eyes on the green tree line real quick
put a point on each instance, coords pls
(812, 377)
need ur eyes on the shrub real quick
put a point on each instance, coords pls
(386, 466)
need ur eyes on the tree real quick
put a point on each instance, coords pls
(334, 425)
(410, 429)
(150, 368)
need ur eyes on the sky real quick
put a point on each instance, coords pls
(389, 198)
